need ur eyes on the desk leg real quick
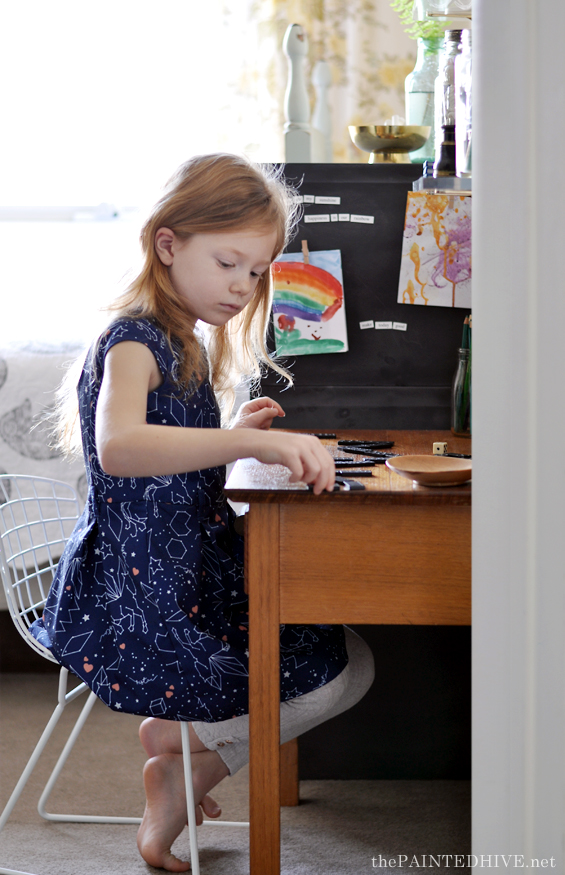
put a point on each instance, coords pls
(289, 773)
(262, 571)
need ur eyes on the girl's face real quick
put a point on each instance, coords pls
(215, 275)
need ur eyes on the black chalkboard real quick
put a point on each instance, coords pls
(387, 379)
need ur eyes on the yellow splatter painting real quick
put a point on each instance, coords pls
(435, 269)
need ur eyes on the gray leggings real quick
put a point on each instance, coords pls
(230, 738)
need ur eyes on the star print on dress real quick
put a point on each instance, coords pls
(148, 605)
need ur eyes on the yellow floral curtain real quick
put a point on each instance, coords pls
(364, 43)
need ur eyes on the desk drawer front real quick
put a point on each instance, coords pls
(359, 564)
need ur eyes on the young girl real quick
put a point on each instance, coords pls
(148, 604)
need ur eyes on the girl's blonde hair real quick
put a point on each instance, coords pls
(208, 194)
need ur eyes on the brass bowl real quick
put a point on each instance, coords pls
(389, 143)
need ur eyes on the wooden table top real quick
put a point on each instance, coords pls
(252, 481)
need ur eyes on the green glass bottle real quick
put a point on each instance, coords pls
(461, 396)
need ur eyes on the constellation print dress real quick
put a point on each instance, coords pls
(148, 603)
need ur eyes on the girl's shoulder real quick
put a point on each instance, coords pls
(139, 330)
(134, 328)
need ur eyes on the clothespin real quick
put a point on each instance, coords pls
(305, 252)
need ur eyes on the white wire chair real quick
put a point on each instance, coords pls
(37, 517)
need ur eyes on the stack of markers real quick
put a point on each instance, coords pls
(461, 399)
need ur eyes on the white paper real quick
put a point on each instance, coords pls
(435, 266)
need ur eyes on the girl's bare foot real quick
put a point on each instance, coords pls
(165, 811)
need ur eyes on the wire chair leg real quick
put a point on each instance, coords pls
(191, 810)
(190, 807)
(75, 818)
(63, 699)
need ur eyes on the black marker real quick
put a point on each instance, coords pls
(357, 473)
(376, 458)
(348, 484)
(310, 487)
(373, 445)
(354, 463)
(342, 483)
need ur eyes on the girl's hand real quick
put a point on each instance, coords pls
(307, 458)
(258, 413)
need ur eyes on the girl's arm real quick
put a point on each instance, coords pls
(128, 447)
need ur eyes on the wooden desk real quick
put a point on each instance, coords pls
(395, 553)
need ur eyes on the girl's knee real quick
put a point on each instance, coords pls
(358, 650)
(361, 665)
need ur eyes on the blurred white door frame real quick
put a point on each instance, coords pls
(518, 430)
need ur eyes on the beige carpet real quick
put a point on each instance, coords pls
(340, 827)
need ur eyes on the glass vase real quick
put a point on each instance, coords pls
(464, 105)
(419, 94)
(445, 90)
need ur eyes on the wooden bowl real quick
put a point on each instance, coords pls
(432, 470)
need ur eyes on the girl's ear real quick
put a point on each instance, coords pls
(164, 241)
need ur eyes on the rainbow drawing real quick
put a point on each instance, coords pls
(308, 310)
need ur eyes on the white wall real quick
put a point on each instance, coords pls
(518, 426)
(56, 277)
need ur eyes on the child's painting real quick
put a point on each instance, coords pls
(436, 251)
(308, 311)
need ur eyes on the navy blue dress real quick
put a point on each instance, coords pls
(148, 604)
